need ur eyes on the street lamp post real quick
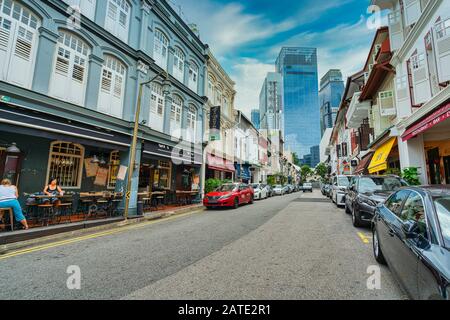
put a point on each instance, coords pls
(135, 137)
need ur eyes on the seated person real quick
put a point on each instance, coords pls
(52, 190)
(8, 199)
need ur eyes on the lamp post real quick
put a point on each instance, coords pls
(135, 137)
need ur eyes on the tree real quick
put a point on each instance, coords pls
(296, 159)
(306, 171)
(322, 170)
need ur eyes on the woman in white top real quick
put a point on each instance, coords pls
(8, 199)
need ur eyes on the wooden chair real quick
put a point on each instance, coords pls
(3, 218)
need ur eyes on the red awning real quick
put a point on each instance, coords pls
(429, 122)
(363, 164)
(219, 164)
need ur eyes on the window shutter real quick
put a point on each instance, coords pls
(395, 30)
(387, 105)
(420, 76)
(442, 36)
(106, 81)
(5, 43)
(412, 11)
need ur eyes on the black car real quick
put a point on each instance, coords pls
(411, 233)
(366, 192)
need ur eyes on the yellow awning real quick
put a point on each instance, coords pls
(379, 160)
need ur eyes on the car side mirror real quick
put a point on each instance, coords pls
(410, 229)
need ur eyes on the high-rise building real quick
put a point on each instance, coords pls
(256, 118)
(330, 96)
(298, 68)
(271, 103)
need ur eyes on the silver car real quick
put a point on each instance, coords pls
(339, 189)
(280, 190)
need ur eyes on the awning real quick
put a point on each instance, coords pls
(379, 160)
(216, 163)
(363, 164)
(429, 122)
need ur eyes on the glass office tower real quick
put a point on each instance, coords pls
(256, 118)
(298, 67)
(330, 95)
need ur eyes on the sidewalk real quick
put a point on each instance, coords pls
(20, 239)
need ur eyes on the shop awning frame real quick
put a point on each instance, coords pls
(364, 163)
(379, 160)
(440, 115)
(219, 164)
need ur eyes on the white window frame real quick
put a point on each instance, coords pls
(211, 90)
(112, 85)
(178, 64)
(157, 105)
(193, 76)
(18, 42)
(176, 114)
(191, 122)
(161, 49)
(71, 58)
(70, 152)
(116, 11)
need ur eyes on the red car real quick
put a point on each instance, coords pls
(229, 195)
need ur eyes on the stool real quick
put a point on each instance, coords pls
(85, 207)
(64, 210)
(102, 206)
(47, 213)
(11, 217)
(147, 203)
(31, 213)
(115, 206)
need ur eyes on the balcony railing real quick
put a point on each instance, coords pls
(357, 111)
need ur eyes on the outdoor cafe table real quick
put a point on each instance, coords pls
(185, 197)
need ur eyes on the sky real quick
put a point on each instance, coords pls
(246, 36)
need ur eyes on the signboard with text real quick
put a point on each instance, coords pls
(214, 124)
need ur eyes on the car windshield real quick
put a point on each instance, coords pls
(443, 212)
(226, 188)
(344, 181)
(373, 184)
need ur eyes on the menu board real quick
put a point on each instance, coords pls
(91, 168)
(101, 177)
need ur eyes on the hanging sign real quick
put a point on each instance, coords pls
(214, 124)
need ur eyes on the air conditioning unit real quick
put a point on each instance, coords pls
(387, 104)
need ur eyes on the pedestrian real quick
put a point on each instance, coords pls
(8, 199)
(53, 190)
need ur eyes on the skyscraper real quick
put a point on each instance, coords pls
(298, 67)
(330, 95)
(271, 103)
(256, 118)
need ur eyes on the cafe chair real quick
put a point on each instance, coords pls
(7, 218)
(64, 210)
(46, 213)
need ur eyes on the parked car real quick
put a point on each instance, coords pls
(366, 192)
(411, 233)
(260, 191)
(229, 195)
(280, 190)
(339, 189)
(269, 190)
(307, 187)
(325, 189)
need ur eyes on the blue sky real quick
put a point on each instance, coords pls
(246, 36)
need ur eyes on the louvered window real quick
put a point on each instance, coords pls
(18, 43)
(420, 77)
(70, 76)
(160, 49)
(156, 116)
(118, 18)
(111, 95)
(193, 76)
(178, 64)
(175, 116)
(191, 123)
(442, 30)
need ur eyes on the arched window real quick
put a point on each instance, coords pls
(193, 76)
(118, 18)
(178, 64)
(70, 69)
(191, 124)
(156, 118)
(112, 87)
(18, 43)
(87, 7)
(160, 49)
(211, 89)
(65, 163)
(175, 115)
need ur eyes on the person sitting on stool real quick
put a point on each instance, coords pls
(52, 190)
(8, 199)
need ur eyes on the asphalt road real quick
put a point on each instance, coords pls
(293, 247)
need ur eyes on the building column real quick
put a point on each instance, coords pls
(100, 12)
(187, 66)
(48, 37)
(412, 154)
(94, 79)
(144, 35)
(167, 110)
(184, 131)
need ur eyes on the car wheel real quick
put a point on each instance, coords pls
(236, 203)
(347, 210)
(379, 257)
(356, 218)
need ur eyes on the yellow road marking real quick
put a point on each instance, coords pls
(363, 237)
(92, 236)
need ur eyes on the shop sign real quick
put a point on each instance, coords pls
(214, 123)
(431, 121)
(177, 153)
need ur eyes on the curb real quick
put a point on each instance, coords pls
(7, 248)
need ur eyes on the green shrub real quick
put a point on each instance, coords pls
(411, 175)
(212, 184)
